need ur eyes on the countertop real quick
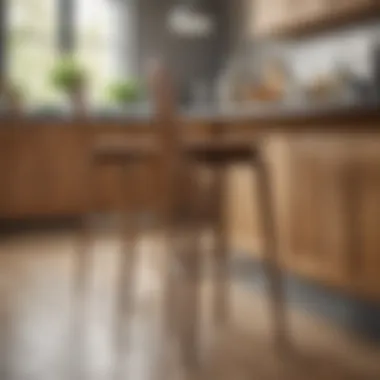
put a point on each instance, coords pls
(288, 113)
(282, 111)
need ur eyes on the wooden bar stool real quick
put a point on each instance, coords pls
(180, 214)
(126, 155)
(174, 212)
(218, 153)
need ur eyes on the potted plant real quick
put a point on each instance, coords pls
(69, 77)
(125, 92)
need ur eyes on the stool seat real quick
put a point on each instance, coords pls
(214, 151)
(114, 151)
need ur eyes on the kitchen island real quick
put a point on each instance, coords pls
(325, 166)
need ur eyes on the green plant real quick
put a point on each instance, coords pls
(67, 75)
(126, 91)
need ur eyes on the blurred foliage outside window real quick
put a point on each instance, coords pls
(97, 24)
(32, 48)
(32, 44)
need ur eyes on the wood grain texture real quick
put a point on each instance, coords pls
(327, 207)
(332, 210)
(36, 321)
(299, 17)
(326, 188)
(44, 171)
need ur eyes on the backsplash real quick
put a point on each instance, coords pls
(352, 48)
(308, 57)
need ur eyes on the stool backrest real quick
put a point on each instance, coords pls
(164, 100)
(163, 93)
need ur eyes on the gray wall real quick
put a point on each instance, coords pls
(189, 59)
(313, 55)
(351, 46)
(2, 39)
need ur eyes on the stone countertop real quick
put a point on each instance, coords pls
(283, 112)
(131, 114)
(253, 113)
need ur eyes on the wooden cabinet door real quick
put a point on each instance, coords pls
(244, 223)
(242, 212)
(43, 172)
(25, 173)
(316, 211)
(332, 12)
(7, 164)
(65, 171)
(334, 212)
(362, 195)
(343, 7)
(283, 16)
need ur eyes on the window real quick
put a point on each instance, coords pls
(96, 32)
(31, 47)
(97, 26)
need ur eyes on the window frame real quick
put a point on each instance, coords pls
(66, 26)
(65, 31)
(64, 34)
(3, 39)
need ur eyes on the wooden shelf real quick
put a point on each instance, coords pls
(326, 19)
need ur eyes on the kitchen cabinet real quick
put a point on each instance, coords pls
(7, 165)
(292, 16)
(347, 7)
(326, 192)
(334, 211)
(43, 172)
(317, 209)
(46, 171)
(363, 216)
(21, 169)
(64, 170)
(242, 214)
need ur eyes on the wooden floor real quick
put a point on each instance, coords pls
(43, 337)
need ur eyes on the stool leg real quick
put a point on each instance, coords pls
(170, 281)
(271, 257)
(6, 341)
(124, 300)
(171, 285)
(124, 296)
(189, 291)
(220, 251)
(127, 271)
(189, 271)
(82, 267)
